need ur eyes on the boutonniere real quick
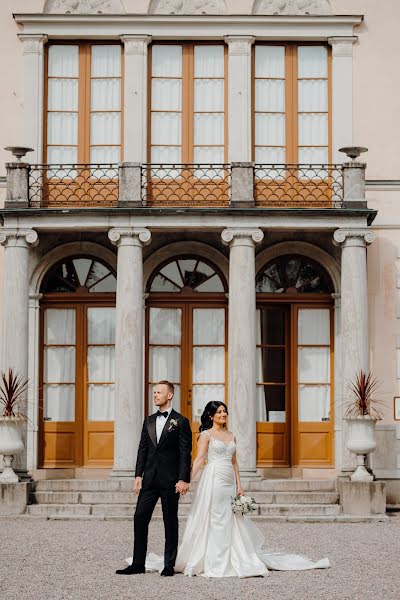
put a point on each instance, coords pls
(172, 424)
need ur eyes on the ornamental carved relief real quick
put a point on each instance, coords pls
(291, 7)
(187, 7)
(84, 7)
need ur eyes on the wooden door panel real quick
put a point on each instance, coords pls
(272, 444)
(59, 448)
(314, 447)
(100, 445)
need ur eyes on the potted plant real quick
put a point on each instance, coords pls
(12, 393)
(361, 414)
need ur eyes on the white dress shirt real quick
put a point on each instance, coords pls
(160, 423)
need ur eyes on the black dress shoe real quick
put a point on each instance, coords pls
(131, 570)
(168, 572)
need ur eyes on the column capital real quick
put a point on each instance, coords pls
(242, 236)
(353, 237)
(19, 237)
(342, 45)
(135, 44)
(33, 43)
(129, 236)
(239, 44)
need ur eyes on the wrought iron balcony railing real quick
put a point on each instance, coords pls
(298, 186)
(206, 185)
(73, 185)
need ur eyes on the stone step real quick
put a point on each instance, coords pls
(84, 485)
(46, 510)
(293, 485)
(299, 509)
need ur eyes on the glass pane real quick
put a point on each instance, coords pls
(166, 60)
(313, 129)
(105, 155)
(313, 95)
(164, 363)
(62, 128)
(208, 365)
(271, 365)
(63, 61)
(160, 284)
(97, 271)
(82, 267)
(171, 271)
(209, 95)
(165, 325)
(59, 326)
(106, 94)
(209, 155)
(165, 155)
(271, 326)
(270, 156)
(166, 128)
(101, 364)
(203, 394)
(166, 94)
(313, 156)
(209, 61)
(106, 61)
(270, 129)
(63, 94)
(176, 401)
(314, 403)
(63, 155)
(105, 128)
(59, 365)
(312, 61)
(270, 95)
(270, 402)
(314, 365)
(270, 61)
(109, 284)
(314, 326)
(214, 284)
(187, 267)
(59, 402)
(101, 325)
(209, 128)
(101, 402)
(208, 326)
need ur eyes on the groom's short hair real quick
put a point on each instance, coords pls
(169, 385)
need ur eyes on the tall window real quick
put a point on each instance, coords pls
(187, 103)
(291, 104)
(83, 103)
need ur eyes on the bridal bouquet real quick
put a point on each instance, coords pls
(243, 505)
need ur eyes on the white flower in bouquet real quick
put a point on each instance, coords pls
(243, 505)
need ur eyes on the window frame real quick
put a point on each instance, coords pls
(84, 97)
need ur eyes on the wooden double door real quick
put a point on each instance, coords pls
(294, 383)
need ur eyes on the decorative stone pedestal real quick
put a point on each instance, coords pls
(13, 498)
(362, 497)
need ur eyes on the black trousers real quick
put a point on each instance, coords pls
(144, 510)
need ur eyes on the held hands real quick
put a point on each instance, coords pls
(137, 485)
(182, 488)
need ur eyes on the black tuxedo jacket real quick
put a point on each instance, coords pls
(170, 459)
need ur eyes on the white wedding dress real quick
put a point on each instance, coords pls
(218, 543)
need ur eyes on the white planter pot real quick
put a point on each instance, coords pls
(361, 441)
(11, 443)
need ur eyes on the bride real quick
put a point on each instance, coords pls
(216, 542)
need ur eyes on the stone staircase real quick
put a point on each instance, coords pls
(112, 499)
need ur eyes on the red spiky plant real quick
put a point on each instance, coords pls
(12, 390)
(364, 403)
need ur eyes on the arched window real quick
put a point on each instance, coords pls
(185, 274)
(80, 275)
(294, 274)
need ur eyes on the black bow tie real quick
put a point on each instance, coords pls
(162, 414)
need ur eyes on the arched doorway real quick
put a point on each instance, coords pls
(76, 399)
(294, 363)
(186, 333)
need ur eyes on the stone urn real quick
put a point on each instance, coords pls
(361, 441)
(11, 443)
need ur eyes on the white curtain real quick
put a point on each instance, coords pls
(270, 104)
(314, 355)
(165, 326)
(101, 363)
(59, 326)
(59, 402)
(101, 325)
(101, 402)
(209, 326)
(203, 394)
(312, 104)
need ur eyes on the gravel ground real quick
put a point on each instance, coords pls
(59, 560)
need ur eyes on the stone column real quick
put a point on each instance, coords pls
(15, 307)
(33, 55)
(32, 442)
(135, 97)
(242, 344)
(129, 386)
(239, 97)
(342, 93)
(354, 315)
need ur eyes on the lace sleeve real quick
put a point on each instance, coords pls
(206, 433)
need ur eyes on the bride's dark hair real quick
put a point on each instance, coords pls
(209, 411)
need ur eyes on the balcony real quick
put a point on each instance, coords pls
(194, 186)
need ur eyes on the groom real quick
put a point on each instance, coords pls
(162, 471)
